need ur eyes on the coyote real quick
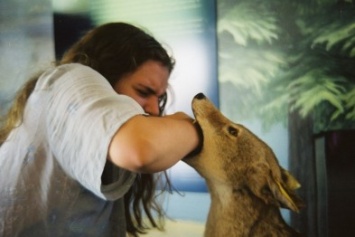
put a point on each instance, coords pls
(247, 185)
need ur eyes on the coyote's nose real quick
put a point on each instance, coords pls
(200, 96)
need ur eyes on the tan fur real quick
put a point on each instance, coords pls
(246, 183)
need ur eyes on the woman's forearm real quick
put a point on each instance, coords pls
(151, 144)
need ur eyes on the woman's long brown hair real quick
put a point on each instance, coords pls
(113, 49)
(14, 116)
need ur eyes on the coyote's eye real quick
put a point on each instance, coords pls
(266, 190)
(232, 131)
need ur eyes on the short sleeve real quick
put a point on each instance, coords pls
(84, 112)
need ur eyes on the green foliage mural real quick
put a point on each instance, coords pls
(278, 56)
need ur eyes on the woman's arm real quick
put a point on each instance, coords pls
(151, 144)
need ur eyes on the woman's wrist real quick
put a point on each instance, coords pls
(199, 141)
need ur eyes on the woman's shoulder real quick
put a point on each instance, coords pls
(76, 70)
(69, 73)
(75, 67)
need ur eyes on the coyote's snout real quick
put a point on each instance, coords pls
(246, 183)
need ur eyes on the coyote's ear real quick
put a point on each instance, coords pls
(274, 191)
(285, 196)
(290, 181)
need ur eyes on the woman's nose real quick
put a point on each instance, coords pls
(152, 106)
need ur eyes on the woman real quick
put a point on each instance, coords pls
(82, 141)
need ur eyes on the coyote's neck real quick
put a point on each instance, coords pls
(237, 213)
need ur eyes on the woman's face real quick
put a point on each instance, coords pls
(147, 85)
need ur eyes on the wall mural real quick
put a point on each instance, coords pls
(281, 56)
(292, 63)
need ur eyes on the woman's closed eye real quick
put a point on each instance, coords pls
(151, 97)
(143, 93)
